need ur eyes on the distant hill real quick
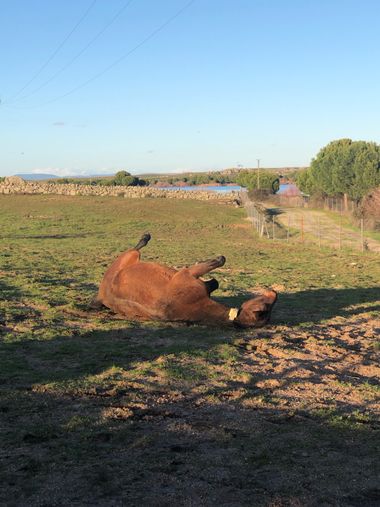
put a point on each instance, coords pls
(43, 176)
(37, 176)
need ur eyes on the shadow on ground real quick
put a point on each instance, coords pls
(9, 292)
(71, 439)
(314, 306)
(142, 441)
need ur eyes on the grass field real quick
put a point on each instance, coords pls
(96, 410)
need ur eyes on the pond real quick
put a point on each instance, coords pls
(223, 188)
(206, 188)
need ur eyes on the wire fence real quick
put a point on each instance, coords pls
(337, 204)
(306, 226)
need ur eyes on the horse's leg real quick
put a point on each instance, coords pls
(124, 260)
(133, 255)
(211, 285)
(143, 241)
(204, 267)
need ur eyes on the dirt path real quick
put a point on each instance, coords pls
(319, 227)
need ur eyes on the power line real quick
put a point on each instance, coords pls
(70, 62)
(120, 59)
(59, 47)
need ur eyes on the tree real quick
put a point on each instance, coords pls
(345, 167)
(125, 179)
(305, 181)
(366, 168)
(251, 179)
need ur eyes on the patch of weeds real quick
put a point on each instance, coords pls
(184, 369)
(227, 353)
(77, 422)
(268, 399)
(342, 383)
(345, 421)
(306, 325)
(373, 388)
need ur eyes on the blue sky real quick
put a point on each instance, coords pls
(224, 83)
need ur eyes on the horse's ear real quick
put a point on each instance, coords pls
(255, 305)
(269, 296)
(259, 302)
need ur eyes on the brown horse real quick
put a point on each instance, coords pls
(150, 291)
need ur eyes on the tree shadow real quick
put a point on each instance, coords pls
(323, 304)
(274, 212)
(77, 356)
(148, 442)
(74, 428)
(314, 306)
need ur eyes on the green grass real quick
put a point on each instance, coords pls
(100, 409)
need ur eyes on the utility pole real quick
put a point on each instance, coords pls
(258, 173)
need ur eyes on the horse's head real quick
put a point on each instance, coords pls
(256, 312)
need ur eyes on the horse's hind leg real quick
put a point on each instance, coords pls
(202, 268)
(144, 240)
(126, 259)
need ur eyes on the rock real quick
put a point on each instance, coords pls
(14, 180)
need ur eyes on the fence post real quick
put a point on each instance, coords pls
(362, 233)
(340, 232)
(287, 231)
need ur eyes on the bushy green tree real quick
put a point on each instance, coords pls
(366, 169)
(124, 178)
(254, 179)
(345, 167)
(305, 181)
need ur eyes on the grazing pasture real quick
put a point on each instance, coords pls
(97, 410)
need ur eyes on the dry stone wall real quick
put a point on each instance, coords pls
(16, 185)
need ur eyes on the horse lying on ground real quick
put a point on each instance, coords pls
(151, 291)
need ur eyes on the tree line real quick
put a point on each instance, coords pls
(250, 178)
(122, 178)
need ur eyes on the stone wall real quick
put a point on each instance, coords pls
(16, 185)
